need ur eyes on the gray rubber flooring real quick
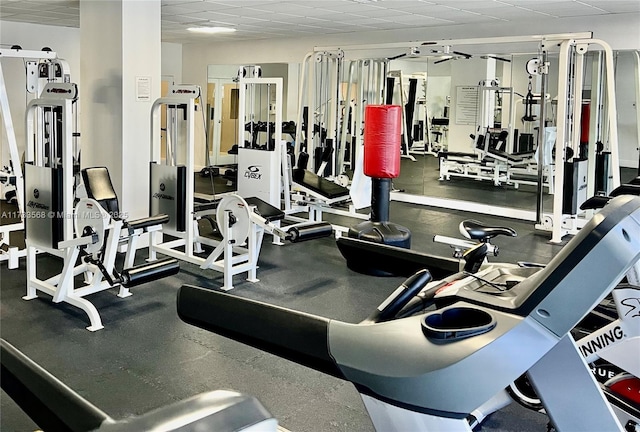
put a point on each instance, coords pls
(145, 357)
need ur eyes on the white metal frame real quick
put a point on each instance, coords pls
(266, 187)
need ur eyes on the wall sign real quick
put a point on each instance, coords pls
(466, 104)
(143, 88)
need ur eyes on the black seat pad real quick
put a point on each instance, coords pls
(595, 202)
(320, 185)
(478, 231)
(504, 155)
(626, 189)
(264, 209)
(446, 154)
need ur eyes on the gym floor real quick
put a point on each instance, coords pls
(145, 357)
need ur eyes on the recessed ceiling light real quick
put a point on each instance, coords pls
(211, 30)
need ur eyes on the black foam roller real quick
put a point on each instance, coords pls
(149, 272)
(310, 232)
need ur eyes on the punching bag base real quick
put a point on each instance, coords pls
(386, 233)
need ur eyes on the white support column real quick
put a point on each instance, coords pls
(561, 140)
(121, 79)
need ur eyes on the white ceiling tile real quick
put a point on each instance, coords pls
(416, 20)
(253, 12)
(278, 18)
(615, 6)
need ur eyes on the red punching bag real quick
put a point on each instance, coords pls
(382, 137)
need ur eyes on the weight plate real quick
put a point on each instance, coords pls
(239, 208)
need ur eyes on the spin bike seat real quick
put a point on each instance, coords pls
(477, 231)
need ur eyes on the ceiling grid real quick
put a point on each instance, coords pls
(265, 19)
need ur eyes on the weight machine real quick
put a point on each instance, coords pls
(47, 68)
(565, 218)
(241, 222)
(172, 193)
(51, 219)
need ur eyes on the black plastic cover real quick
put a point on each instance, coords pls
(293, 335)
(394, 260)
(46, 400)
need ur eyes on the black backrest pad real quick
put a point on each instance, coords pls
(98, 184)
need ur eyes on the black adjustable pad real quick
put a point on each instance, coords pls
(320, 185)
(205, 205)
(446, 154)
(595, 202)
(626, 189)
(97, 183)
(504, 155)
(440, 121)
(264, 209)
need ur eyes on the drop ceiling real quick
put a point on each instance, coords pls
(268, 19)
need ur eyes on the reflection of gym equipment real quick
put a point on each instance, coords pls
(493, 158)
(47, 68)
(52, 405)
(470, 350)
(408, 104)
(330, 124)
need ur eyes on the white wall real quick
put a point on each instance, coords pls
(171, 58)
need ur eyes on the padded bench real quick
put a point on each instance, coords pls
(319, 185)
(264, 209)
